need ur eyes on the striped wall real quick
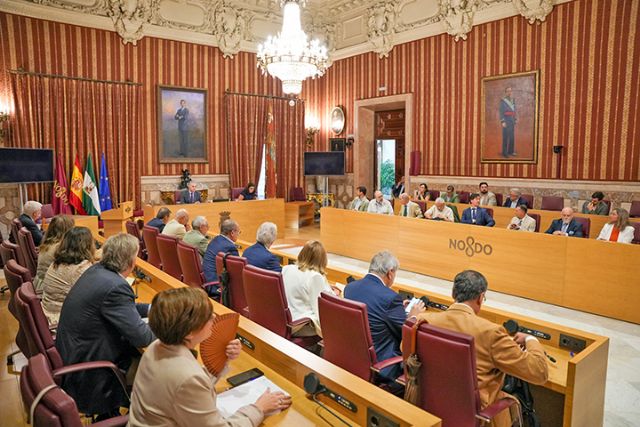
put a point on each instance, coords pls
(51, 47)
(588, 54)
(587, 51)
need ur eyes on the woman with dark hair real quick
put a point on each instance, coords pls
(450, 196)
(171, 388)
(56, 230)
(249, 192)
(422, 193)
(73, 257)
(618, 229)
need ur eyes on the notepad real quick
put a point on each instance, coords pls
(230, 401)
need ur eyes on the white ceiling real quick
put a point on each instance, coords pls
(348, 27)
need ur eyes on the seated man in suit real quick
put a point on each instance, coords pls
(497, 354)
(385, 308)
(439, 211)
(408, 208)
(360, 203)
(258, 254)
(565, 226)
(380, 205)
(161, 219)
(223, 242)
(521, 221)
(487, 198)
(178, 226)
(101, 321)
(197, 237)
(31, 212)
(595, 206)
(515, 199)
(476, 215)
(189, 194)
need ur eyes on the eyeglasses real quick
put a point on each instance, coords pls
(484, 298)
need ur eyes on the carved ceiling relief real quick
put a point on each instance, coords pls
(234, 23)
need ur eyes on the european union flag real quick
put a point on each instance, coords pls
(105, 191)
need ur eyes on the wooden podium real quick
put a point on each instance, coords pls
(114, 219)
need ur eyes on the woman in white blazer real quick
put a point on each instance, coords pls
(171, 388)
(303, 283)
(618, 229)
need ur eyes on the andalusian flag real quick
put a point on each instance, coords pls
(60, 200)
(75, 191)
(270, 153)
(90, 198)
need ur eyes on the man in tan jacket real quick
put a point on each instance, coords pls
(497, 353)
(409, 208)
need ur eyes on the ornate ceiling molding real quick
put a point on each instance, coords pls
(347, 27)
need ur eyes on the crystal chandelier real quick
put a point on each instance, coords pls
(288, 56)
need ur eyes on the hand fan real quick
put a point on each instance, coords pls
(212, 350)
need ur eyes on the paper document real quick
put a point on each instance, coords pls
(230, 401)
(130, 280)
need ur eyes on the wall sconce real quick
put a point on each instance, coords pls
(312, 127)
(4, 118)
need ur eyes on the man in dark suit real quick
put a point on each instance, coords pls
(223, 242)
(161, 219)
(101, 321)
(258, 254)
(475, 214)
(182, 116)
(385, 308)
(515, 199)
(398, 189)
(189, 194)
(32, 211)
(566, 226)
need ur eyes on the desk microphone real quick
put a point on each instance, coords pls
(139, 275)
(512, 328)
(313, 386)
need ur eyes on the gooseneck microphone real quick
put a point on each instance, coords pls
(313, 386)
(512, 328)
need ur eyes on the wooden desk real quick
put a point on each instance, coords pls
(299, 214)
(249, 214)
(115, 219)
(553, 269)
(286, 364)
(574, 394)
(503, 217)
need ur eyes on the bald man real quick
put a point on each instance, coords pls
(408, 208)
(566, 226)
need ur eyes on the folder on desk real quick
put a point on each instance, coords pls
(212, 350)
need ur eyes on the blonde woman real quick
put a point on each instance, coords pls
(618, 229)
(56, 230)
(303, 283)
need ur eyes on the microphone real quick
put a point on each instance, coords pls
(139, 276)
(313, 386)
(512, 328)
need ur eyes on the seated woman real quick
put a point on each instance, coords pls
(422, 193)
(450, 196)
(58, 227)
(73, 257)
(618, 229)
(303, 283)
(171, 388)
(249, 192)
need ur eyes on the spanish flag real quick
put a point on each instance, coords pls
(75, 192)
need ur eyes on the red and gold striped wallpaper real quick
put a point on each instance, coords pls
(587, 51)
(588, 54)
(51, 47)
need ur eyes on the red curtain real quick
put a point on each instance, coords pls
(81, 116)
(245, 133)
(290, 145)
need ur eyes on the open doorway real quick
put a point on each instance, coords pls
(389, 150)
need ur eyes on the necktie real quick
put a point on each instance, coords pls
(519, 223)
(564, 227)
(191, 197)
(405, 211)
(473, 214)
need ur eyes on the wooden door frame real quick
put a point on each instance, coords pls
(364, 121)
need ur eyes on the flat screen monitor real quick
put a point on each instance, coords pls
(24, 165)
(324, 163)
